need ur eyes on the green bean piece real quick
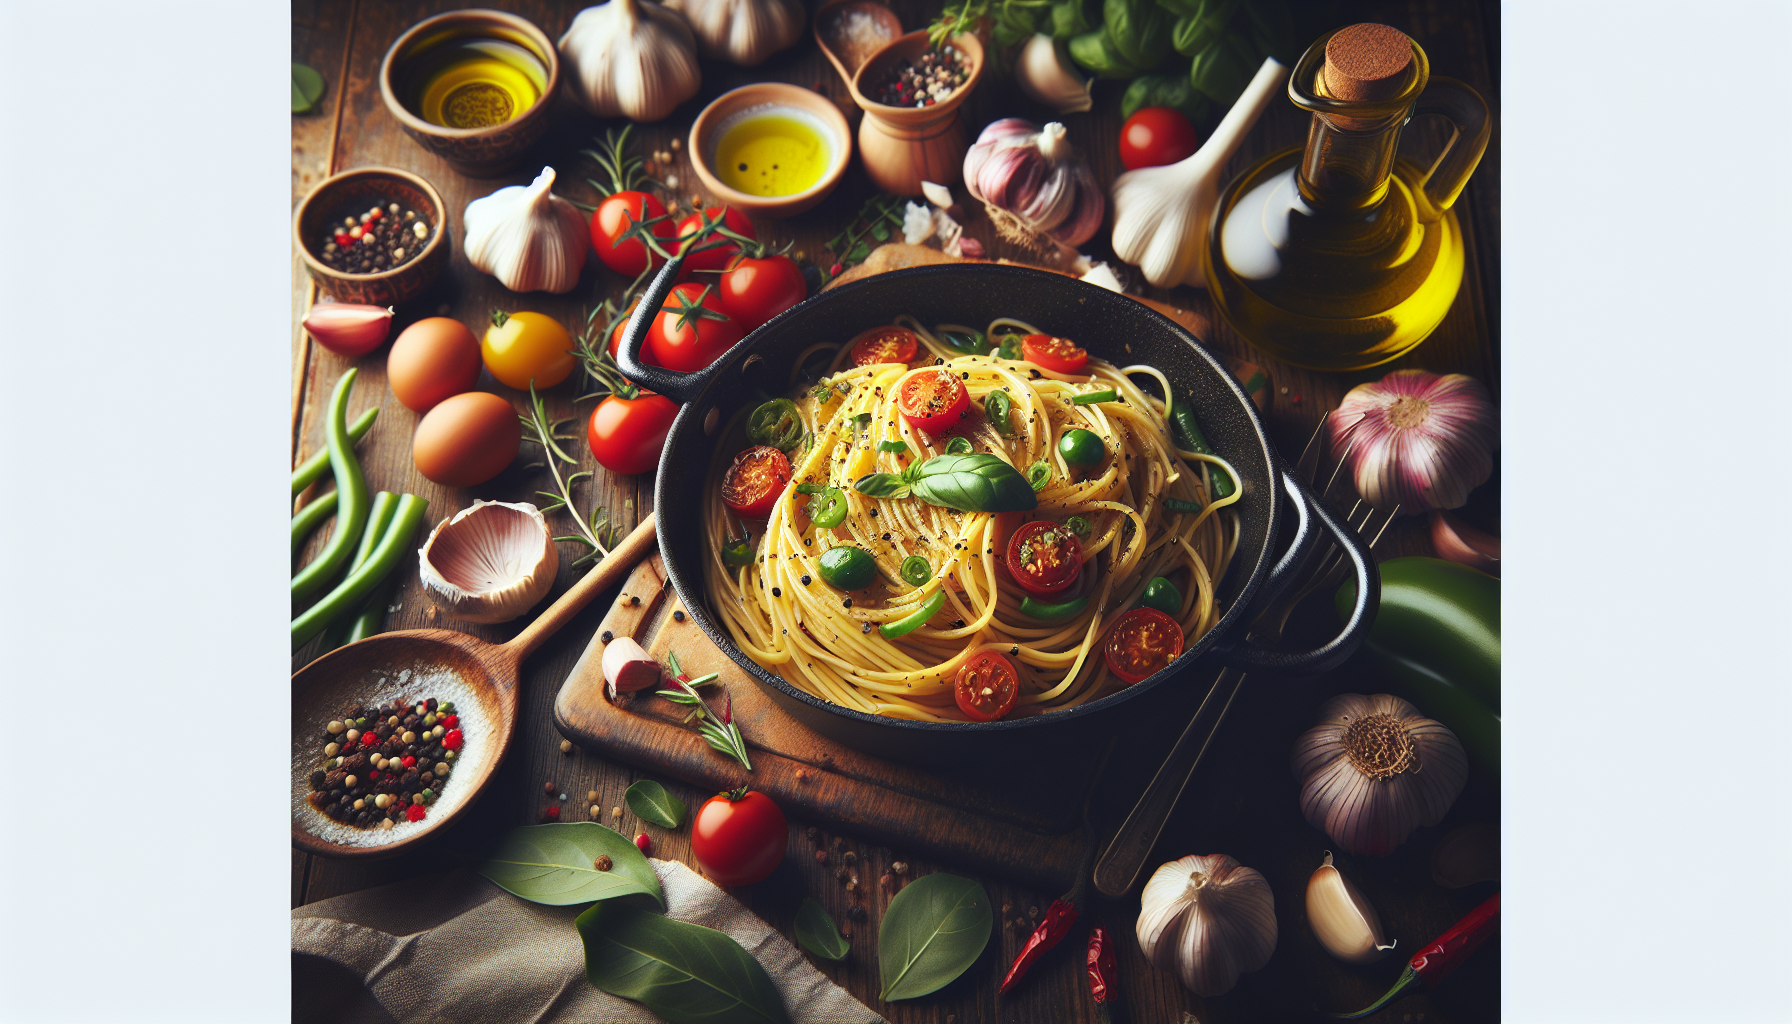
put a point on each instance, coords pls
(1191, 439)
(916, 570)
(909, 623)
(347, 595)
(351, 490)
(309, 518)
(371, 619)
(1052, 612)
(377, 520)
(1096, 397)
(1178, 505)
(1161, 594)
(312, 469)
(829, 508)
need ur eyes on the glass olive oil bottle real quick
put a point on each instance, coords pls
(1342, 255)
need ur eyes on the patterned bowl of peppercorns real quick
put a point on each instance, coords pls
(373, 235)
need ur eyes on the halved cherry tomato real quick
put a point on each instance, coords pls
(933, 400)
(718, 257)
(739, 838)
(1044, 557)
(753, 483)
(756, 288)
(612, 219)
(626, 434)
(886, 344)
(691, 330)
(1059, 355)
(986, 686)
(1141, 644)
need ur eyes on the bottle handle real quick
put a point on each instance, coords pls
(1467, 113)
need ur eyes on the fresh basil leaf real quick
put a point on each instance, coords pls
(893, 447)
(1008, 346)
(1038, 475)
(979, 482)
(934, 930)
(1070, 18)
(996, 405)
(1095, 53)
(1198, 29)
(816, 932)
(1139, 29)
(1174, 91)
(556, 865)
(857, 253)
(959, 446)
(882, 485)
(684, 972)
(1221, 71)
(650, 802)
(307, 88)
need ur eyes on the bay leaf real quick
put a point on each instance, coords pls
(816, 932)
(650, 802)
(684, 972)
(307, 88)
(557, 865)
(933, 931)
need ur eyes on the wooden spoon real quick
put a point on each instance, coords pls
(848, 54)
(484, 689)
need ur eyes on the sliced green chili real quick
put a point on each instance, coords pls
(1095, 397)
(959, 446)
(1193, 440)
(310, 517)
(738, 553)
(1178, 505)
(777, 424)
(909, 623)
(1038, 475)
(892, 446)
(828, 510)
(312, 470)
(351, 491)
(1078, 525)
(996, 405)
(916, 570)
(393, 547)
(811, 488)
(1052, 612)
(1008, 347)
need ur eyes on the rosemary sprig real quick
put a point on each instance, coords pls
(593, 528)
(722, 734)
(876, 217)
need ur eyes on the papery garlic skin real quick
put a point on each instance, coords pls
(1209, 919)
(490, 562)
(742, 32)
(630, 58)
(1037, 189)
(1416, 440)
(527, 237)
(1374, 769)
(1343, 921)
(1047, 76)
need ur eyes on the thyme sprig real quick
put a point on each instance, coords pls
(722, 734)
(594, 528)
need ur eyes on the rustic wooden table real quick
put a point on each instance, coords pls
(1243, 803)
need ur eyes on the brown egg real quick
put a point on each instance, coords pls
(432, 360)
(467, 439)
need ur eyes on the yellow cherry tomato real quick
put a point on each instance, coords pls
(520, 347)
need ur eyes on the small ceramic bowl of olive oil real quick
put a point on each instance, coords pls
(472, 87)
(770, 148)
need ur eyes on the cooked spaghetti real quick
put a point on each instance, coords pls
(1138, 508)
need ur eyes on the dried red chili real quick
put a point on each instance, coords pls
(1102, 974)
(1059, 917)
(1435, 962)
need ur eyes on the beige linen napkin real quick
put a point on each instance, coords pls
(456, 947)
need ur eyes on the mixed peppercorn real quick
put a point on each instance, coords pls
(926, 81)
(381, 239)
(386, 762)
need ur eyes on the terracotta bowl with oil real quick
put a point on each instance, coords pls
(770, 148)
(321, 212)
(472, 87)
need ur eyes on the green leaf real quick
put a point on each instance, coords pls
(1095, 53)
(894, 447)
(857, 253)
(880, 232)
(1221, 71)
(934, 929)
(1139, 30)
(1174, 91)
(307, 88)
(816, 931)
(979, 482)
(556, 865)
(1070, 18)
(686, 973)
(882, 485)
(650, 802)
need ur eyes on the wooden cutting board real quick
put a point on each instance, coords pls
(1025, 826)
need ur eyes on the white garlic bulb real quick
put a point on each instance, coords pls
(742, 32)
(1374, 769)
(630, 58)
(1208, 918)
(527, 237)
(1045, 73)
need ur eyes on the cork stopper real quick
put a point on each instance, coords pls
(1366, 62)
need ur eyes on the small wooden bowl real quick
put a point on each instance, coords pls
(705, 134)
(847, 58)
(904, 146)
(360, 189)
(477, 152)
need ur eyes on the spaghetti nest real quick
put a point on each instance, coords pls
(828, 642)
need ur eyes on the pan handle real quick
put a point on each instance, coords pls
(679, 387)
(1256, 656)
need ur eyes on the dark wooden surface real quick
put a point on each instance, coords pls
(1244, 800)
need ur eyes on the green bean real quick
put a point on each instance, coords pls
(1052, 612)
(377, 521)
(351, 491)
(1096, 397)
(393, 547)
(908, 624)
(1193, 440)
(312, 469)
(372, 617)
(309, 518)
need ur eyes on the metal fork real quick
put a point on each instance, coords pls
(1118, 866)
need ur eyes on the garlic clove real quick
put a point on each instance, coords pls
(1342, 920)
(628, 668)
(743, 32)
(1374, 769)
(1209, 919)
(348, 329)
(1460, 542)
(630, 58)
(1045, 73)
(527, 237)
(937, 194)
(490, 562)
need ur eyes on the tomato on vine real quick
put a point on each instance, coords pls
(691, 330)
(705, 248)
(622, 222)
(756, 288)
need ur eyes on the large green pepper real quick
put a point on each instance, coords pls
(1442, 616)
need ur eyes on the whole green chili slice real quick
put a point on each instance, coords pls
(1078, 525)
(312, 470)
(321, 508)
(1191, 439)
(1052, 612)
(892, 446)
(909, 623)
(828, 509)
(916, 570)
(351, 491)
(1178, 505)
(777, 424)
(959, 446)
(1096, 397)
(996, 406)
(1038, 475)
(393, 547)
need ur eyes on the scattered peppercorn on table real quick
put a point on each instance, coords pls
(1245, 801)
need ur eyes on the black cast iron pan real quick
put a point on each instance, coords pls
(1109, 325)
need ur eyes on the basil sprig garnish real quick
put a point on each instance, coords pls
(977, 482)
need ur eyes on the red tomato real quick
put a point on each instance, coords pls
(755, 289)
(688, 341)
(740, 839)
(612, 219)
(1059, 355)
(1141, 644)
(718, 257)
(933, 400)
(1155, 136)
(986, 686)
(1044, 557)
(616, 341)
(884, 345)
(752, 485)
(626, 434)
